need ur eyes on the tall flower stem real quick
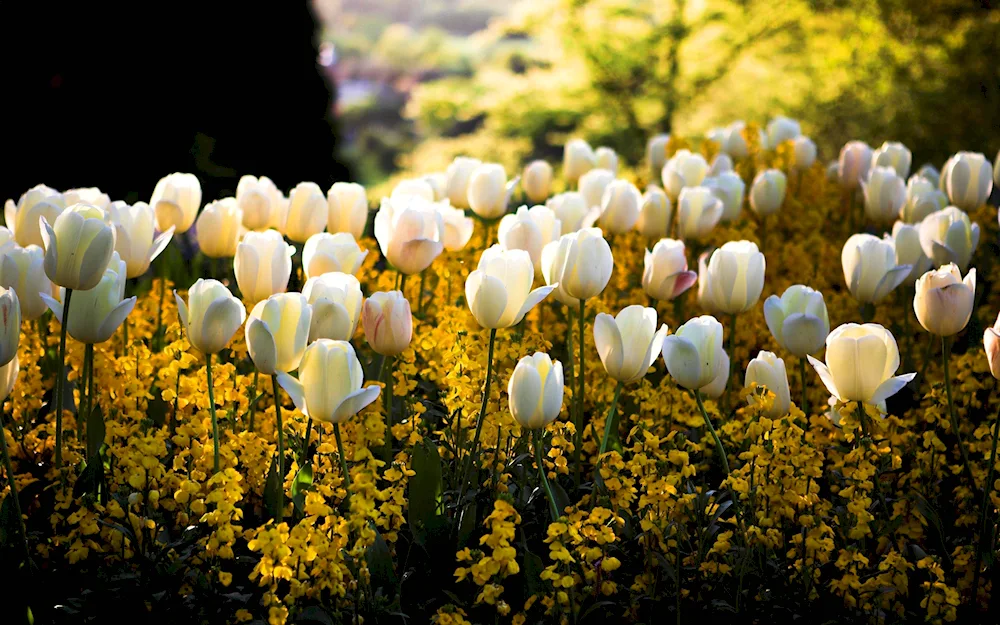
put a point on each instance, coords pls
(13, 489)
(62, 374)
(157, 336)
(805, 389)
(86, 391)
(553, 509)
(467, 466)
(611, 418)
(945, 357)
(305, 442)
(211, 408)
(719, 449)
(420, 295)
(281, 446)
(984, 515)
(732, 360)
(340, 452)
(580, 382)
(387, 399)
(253, 398)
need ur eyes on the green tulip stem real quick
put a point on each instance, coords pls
(305, 442)
(473, 452)
(402, 283)
(420, 295)
(281, 446)
(539, 460)
(719, 449)
(580, 383)
(62, 374)
(387, 402)
(88, 386)
(12, 482)
(253, 398)
(340, 452)
(611, 418)
(805, 388)
(945, 356)
(984, 515)
(211, 408)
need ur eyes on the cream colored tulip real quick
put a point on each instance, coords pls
(943, 301)
(895, 155)
(620, 207)
(767, 193)
(922, 199)
(798, 320)
(23, 270)
(684, 170)
(861, 363)
(410, 233)
(655, 214)
(87, 195)
(694, 354)
(735, 143)
(906, 241)
(580, 263)
(530, 229)
(388, 322)
(592, 185)
(656, 151)
(307, 212)
(260, 201)
(347, 209)
(698, 212)
(175, 202)
(457, 176)
(931, 173)
(211, 316)
(736, 276)
(607, 158)
(458, 228)
(95, 314)
(572, 211)
(78, 246)
(629, 342)
(134, 240)
(10, 326)
(854, 163)
(781, 129)
(537, 181)
(22, 218)
(730, 189)
(329, 387)
(263, 265)
(277, 332)
(949, 236)
(885, 195)
(219, 228)
(967, 180)
(578, 159)
(416, 187)
(991, 343)
(489, 192)
(336, 306)
(805, 153)
(870, 268)
(499, 290)
(325, 252)
(721, 163)
(665, 272)
(535, 391)
(768, 370)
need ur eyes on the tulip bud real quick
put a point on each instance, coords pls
(619, 207)
(665, 273)
(578, 159)
(263, 265)
(537, 181)
(767, 193)
(347, 209)
(88, 195)
(572, 211)
(685, 169)
(417, 187)
(607, 159)
(535, 391)
(922, 199)
(529, 230)
(855, 161)
(488, 191)
(175, 201)
(458, 228)
(991, 342)
(134, 240)
(699, 210)
(580, 263)
(943, 300)
(388, 323)
(885, 194)
(736, 276)
(629, 342)
(325, 252)
(870, 268)
(721, 164)
(967, 180)
(22, 218)
(307, 212)
(10, 326)
(499, 290)
(729, 188)
(329, 387)
(655, 213)
(259, 200)
(277, 332)
(895, 155)
(906, 241)
(409, 233)
(861, 361)
(798, 320)
(211, 317)
(805, 153)
(592, 185)
(781, 129)
(78, 247)
(949, 236)
(457, 176)
(656, 151)
(23, 270)
(768, 370)
(219, 227)
(694, 354)
(95, 314)
(336, 306)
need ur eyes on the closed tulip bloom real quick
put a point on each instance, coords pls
(535, 391)
(336, 306)
(607, 158)
(730, 189)
(592, 186)
(906, 241)
(655, 213)
(347, 209)
(263, 264)
(620, 206)
(716, 134)
(457, 177)
(768, 370)
(211, 316)
(277, 332)
(458, 228)
(578, 159)
(10, 326)
(629, 342)
(781, 129)
(87, 195)
(735, 143)
(219, 228)
(685, 169)
(949, 236)
(325, 252)
(665, 272)
(549, 258)
(991, 343)
(736, 276)
(438, 182)
(895, 155)
(572, 211)
(95, 314)
(967, 179)
(656, 151)
(279, 215)
(767, 193)
(488, 191)
(175, 201)
(529, 230)
(259, 199)
(78, 247)
(330, 382)
(931, 173)
(22, 269)
(134, 240)
(699, 211)
(705, 292)
(307, 212)
(943, 300)
(694, 354)
(861, 362)
(805, 153)
(870, 268)
(409, 233)
(885, 194)
(854, 163)
(721, 163)
(922, 199)
(798, 320)
(499, 290)
(715, 388)
(537, 181)
(22, 218)
(418, 187)
(388, 322)
(580, 262)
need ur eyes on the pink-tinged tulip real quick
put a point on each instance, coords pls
(991, 342)
(387, 321)
(943, 300)
(410, 233)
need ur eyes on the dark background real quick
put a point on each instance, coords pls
(117, 95)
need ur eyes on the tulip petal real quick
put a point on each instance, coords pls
(683, 281)
(487, 298)
(160, 243)
(533, 300)
(608, 340)
(524, 394)
(774, 316)
(552, 395)
(182, 310)
(684, 363)
(218, 327)
(893, 278)
(262, 346)
(890, 387)
(295, 391)
(54, 305)
(355, 403)
(825, 376)
(803, 334)
(115, 318)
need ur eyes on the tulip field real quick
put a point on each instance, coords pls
(733, 381)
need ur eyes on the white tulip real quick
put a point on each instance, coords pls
(537, 181)
(885, 194)
(336, 301)
(665, 272)
(22, 269)
(870, 268)
(489, 192)
(572, 211)
(685, 169)
(767, 193)
(798, 320)
(175, 201)
(715, 388)
(768, 370)
(967, 180)
(499, 290)
(580, 263)
(906, 241)
(721, 164)
(620, 206)
(88, 195)
(656, 151)
(325, 252)
(730, 189)
(263, 264)
(277, 332)
(457, 180)
(922, 199)
(307, 212)
(347, 209)
(78, 246)
(535, 391)
(458, 228)
(655, 214)
(705, 292)
(134, 241)
(578, 159)
(895, 155)
(861, 362)
(781, 129)
(329, 387)
(736, 276)
(417, 187)
(629, 342)
(10, 327)
(949, 236)
(529, 230)
(438, 182)
(592, 185)
(607, 159)
(699, 211)
(22, 218)
(259, 200)
(212, 315)
(943, 301)
(854, 163)
(410, 233)
(219, 228)
(805, 153)
(694, 354)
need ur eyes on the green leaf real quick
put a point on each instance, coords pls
(302, 482)
(95, 433)
(380, 566)
(425, 487)
(533, 567)
(467, 523)
(273, 490)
